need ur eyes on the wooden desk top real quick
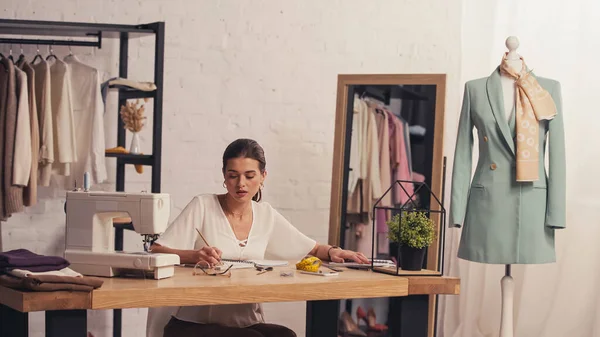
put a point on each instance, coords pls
(244, 286)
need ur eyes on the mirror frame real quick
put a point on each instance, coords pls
(339, 146)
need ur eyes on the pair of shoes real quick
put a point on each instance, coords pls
(348, 327)
(370, 319)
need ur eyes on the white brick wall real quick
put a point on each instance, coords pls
(265, 70)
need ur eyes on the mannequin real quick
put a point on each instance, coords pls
(512, 206)
(508, 91)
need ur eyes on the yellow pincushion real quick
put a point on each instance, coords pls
(311, 264)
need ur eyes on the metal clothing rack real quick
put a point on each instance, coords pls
(91, 35)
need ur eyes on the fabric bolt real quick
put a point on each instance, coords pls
(533, 104)
(60, 272)
(35, 284)
(13, 194)
(30, 191)
(44, 110)
(506, 221)
(271, 236)
(22, 157)
(25, 259)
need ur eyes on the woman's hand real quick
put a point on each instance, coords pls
(208, 256)
(340, 255)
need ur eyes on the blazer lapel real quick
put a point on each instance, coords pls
(496, 98)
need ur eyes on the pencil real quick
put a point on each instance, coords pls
(202, 236)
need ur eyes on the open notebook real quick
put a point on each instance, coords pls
(376, 263)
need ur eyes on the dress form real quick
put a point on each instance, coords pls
(508, 91)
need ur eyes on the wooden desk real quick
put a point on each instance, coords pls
(185, 289)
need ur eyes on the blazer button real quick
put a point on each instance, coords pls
(485, 139)
(493, 166)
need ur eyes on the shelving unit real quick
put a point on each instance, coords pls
(94, 33)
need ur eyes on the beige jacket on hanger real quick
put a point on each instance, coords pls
(44, 109)
(12, 194)
(22, 159)
(30, 191)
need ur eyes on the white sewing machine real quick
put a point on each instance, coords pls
(90, 236)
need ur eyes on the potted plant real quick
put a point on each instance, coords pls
(414, 233)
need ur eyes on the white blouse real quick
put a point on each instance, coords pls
(271, 236)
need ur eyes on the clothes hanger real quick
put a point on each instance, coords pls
(10, 57)
(38, 55)
(51, 54)
(22, 56)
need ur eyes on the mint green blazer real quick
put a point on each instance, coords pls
(505, 221)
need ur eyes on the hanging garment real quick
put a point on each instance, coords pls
(382, 215)
(30, 191)
(22, 155)
(506, 221)
(44, 110)
(63, 130)
(88, 111)
(13, 194)
(354, 165)
(400, 158)
(371, 184)
(383, 139)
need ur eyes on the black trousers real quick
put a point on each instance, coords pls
(177, 328)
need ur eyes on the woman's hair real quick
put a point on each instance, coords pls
(246, 148)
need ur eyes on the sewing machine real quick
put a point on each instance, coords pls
(90, 236)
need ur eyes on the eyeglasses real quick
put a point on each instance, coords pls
(214, 271)
(262, 270)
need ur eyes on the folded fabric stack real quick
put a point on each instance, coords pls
(22, 269)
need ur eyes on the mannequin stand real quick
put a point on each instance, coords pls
(506, 318)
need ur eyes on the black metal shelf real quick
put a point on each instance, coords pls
(135, 159)
(72, 29)
(91, 35)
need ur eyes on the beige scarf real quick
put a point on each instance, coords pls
(533, 104)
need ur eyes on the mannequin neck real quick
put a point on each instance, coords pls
(514, 61)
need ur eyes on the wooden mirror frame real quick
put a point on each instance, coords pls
(339, 146)
(339, 150)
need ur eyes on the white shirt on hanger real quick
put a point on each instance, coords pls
(65, 148)
(271, 236)
(88, 117)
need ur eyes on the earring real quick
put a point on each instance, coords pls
(224, 186)
(262, 185)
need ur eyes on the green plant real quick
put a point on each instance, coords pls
(417, 231)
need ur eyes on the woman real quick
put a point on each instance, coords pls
(239, 227)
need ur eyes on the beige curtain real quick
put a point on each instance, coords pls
(559, 40)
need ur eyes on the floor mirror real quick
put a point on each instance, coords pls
(388, 127)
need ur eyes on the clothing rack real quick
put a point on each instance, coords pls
(100, 31)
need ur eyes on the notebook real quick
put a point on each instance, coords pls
(376, 263)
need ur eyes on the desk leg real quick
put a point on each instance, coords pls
(409, 316)
(13, 323)
(66, 323)
(322, 318)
